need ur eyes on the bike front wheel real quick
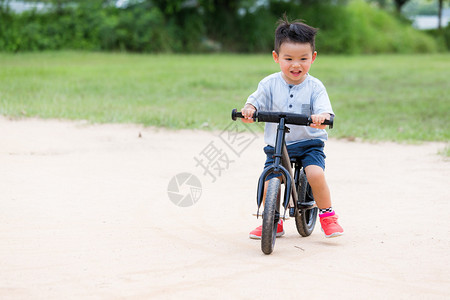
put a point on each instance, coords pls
(271, 216)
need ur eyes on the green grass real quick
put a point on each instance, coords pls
(445, 151)
(380, 97)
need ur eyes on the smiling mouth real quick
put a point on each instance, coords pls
(296, 73)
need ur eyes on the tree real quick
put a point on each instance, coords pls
(399, 4)
(220, 18)
(441, 4)
(60, 5)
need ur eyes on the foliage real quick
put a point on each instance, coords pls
(442, 35)
(361, 29)
(154, 26)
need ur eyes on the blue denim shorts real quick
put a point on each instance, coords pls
(309, 152)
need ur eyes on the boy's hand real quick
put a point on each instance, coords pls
(319, 119)
(248, 112)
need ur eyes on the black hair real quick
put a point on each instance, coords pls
(295, 32)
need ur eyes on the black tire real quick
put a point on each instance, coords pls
(305, 215)
(271, 216)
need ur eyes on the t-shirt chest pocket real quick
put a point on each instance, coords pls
(297, 102)
(306, 109)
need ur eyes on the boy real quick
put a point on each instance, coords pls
(294, 90)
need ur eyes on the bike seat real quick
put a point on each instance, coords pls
(296, 160)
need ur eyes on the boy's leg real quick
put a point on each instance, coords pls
(319, 186)
(321, 193)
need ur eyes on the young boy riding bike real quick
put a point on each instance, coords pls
(295, 90)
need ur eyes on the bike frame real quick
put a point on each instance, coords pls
(282, 162)
(281, 166)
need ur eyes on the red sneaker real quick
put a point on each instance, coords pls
(330, 225)
(256, 233)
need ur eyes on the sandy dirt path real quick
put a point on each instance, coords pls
(85, 214)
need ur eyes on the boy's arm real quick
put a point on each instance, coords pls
(319, 119)
(255, 101)
(322, 108)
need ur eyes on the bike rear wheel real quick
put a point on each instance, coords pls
(271, 216)
(305, 211)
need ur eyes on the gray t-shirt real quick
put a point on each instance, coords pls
(274, 94)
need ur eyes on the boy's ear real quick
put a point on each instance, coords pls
(314, 56)
(275, 56)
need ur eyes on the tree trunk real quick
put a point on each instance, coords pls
(399, 4)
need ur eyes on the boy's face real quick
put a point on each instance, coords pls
(295, 60)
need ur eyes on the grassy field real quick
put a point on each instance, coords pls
(388, 97)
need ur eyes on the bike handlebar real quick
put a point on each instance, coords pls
(274, 117)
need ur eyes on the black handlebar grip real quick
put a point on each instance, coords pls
(329, 122)
(326, 122)
(237, 114)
